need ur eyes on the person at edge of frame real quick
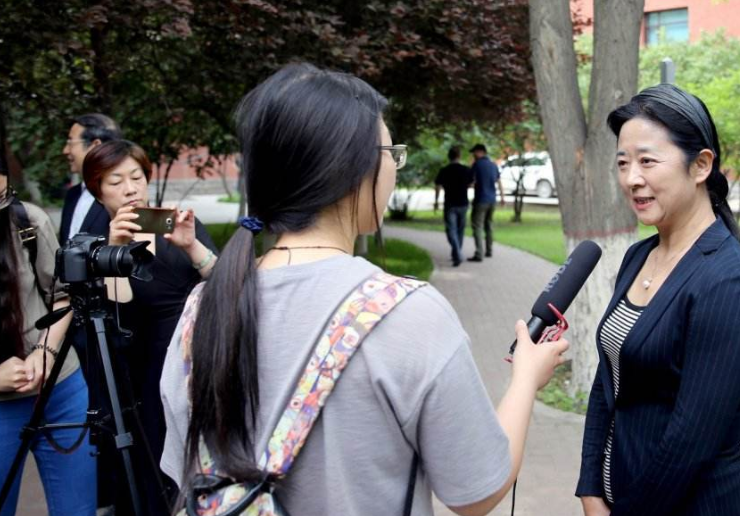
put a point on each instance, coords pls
(69, 480)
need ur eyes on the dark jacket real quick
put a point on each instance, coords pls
(676, 448)
(96, 221)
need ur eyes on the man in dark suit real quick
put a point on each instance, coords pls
(81, 212)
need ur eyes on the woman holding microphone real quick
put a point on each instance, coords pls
(320, 166)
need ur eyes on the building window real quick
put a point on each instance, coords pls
(667, 26)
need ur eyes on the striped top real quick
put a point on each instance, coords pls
(615, 329)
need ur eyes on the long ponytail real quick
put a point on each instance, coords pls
(224, 389)
(717, 184)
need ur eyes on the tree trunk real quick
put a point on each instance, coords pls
(586, 312)
(241, 187)
(221, 169)
(162, 183)
(4, 149)
(100, 71)
(519, 196)
(583, 152)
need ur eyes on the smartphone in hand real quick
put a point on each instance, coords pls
(155, 220)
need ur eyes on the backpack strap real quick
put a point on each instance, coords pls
(27, 232)
(188, 317)
(356, 316)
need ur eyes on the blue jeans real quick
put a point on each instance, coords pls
(455, 228)
(69, 480)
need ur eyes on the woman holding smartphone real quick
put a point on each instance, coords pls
(117, 174)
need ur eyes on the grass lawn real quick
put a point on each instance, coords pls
(233, 198)
(399, 257)
(539, 233)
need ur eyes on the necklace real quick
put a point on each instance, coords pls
(649, 280)
(303, 247)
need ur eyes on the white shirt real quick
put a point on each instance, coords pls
(84, 203)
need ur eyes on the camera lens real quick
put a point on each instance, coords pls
(112, 260)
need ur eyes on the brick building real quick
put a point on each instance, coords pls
(681, 20)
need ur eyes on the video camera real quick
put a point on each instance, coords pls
(85, 257)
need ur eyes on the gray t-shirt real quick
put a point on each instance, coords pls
(412, 386)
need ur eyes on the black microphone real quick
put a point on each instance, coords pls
(52, 318)
(562, 288)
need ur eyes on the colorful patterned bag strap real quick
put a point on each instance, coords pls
(358, 314)
(189, 314)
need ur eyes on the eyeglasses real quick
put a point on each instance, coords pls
(398, 153)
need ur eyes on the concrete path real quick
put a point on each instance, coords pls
(489, 297)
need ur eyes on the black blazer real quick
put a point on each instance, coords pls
(676, 448)
(96, 221)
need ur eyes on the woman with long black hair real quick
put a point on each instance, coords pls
(662, 432)
(320, 166)
(25, 291)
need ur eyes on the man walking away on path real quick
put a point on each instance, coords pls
(455, 178)
(485, 176)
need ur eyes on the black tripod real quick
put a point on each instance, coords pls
(88, 303)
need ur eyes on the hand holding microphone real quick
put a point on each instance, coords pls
(562, 289)
(536, 363)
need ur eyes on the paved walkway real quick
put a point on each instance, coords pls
(489, 297)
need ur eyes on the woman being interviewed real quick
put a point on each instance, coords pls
(663, 426)
(117, 174)
(320, 167)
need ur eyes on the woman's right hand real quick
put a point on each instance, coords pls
(122, 227)
(13, 374)
(595, 506)
(536, 363)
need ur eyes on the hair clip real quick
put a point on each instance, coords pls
(253, 224)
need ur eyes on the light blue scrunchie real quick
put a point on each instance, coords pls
(253, 224)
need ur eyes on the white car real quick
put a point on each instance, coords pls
(536, 168)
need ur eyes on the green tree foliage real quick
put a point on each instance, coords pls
(708, 68)
(429, 152)
(171, 71)
(721, 95)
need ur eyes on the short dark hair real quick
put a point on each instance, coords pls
(454, 153)
(98, 127)
(107, 156)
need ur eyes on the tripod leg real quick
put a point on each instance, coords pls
(123, 439)
(31, 429)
